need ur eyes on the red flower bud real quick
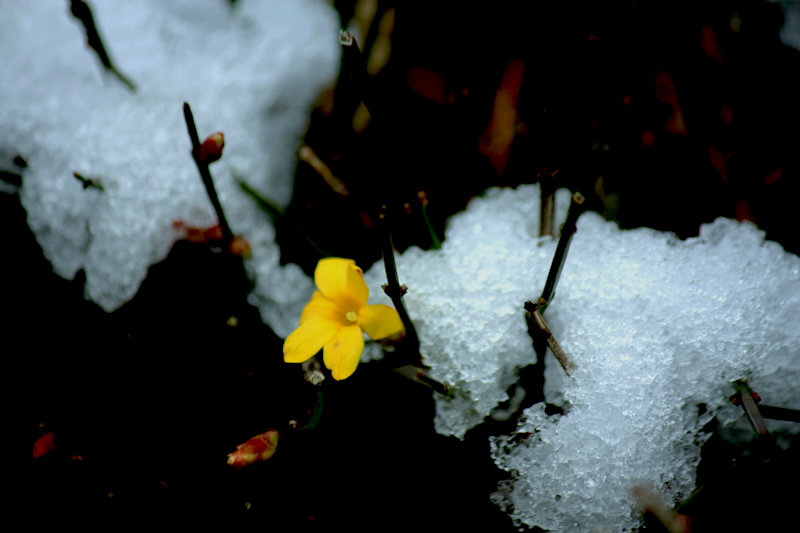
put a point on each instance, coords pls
(43, 445)
(198, 234)
(211, 149)
(239, 246)
(259, 448)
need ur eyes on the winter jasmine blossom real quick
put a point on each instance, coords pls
(337, 317)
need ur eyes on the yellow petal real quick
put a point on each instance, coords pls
(308, 339)
(321, 306)
(379, 321)
(343, 352)
(341, 281)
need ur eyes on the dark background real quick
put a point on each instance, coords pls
(145, 403)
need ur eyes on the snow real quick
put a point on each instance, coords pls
(656, 326)
(252, 71)
(790, 32)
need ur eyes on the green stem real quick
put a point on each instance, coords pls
(436, 244)
(277, 215)
(316, 414)
(268, 206)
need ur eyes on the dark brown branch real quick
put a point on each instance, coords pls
(567, 230)
(354, 68)
(420, 376)
(413, 369)
(432, 383)
(747, 398)
(205, 175)
(537, 326)
(393, 289)
(779, 413)
(81, 11)
(548, 204)
(88, 182)
(543, 330)
(307, 155)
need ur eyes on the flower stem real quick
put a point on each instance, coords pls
(205, 175)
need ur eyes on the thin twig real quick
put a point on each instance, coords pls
(544, 330)
(567, 230)
(436, 244)
(420, 376)
(546, 225)
(268, 206)
(279, 218)
(779, 413)
(307, 155)
(542, 335)
(393, 289)
(548, 204)
(205, 175)
(82, 11)
(410, 344)
(88, 182)
(354, 67)
(744, 394)
(432, 383)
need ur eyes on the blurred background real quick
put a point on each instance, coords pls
(663, 114)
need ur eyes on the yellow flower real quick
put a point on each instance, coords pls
(337, 317)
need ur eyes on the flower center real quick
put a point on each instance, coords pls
(352, 316)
